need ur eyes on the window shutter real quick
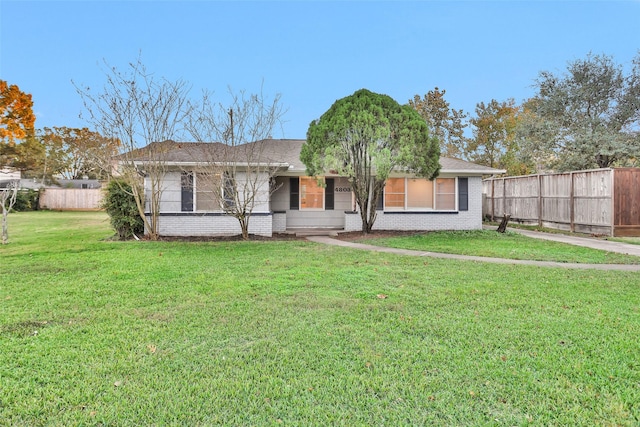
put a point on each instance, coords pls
(329, 194)
(186, 184)
(380, 204)
(463, 194)
(294, 193)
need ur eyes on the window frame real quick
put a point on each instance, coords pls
(301, 192)
(434, 196)
(189, 192)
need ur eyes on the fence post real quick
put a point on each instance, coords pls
(504, 195)
(493, 199)
(539, 200)
(571, 203)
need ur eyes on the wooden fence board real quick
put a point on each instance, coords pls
(71, 199)
(574, 200)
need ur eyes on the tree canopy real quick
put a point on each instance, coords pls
(16, 119)
(588, 117)
(445, 123)
(494, 141)
(364, 137)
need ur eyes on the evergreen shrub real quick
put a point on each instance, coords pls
(122, 210)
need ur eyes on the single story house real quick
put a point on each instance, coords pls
(286, 199)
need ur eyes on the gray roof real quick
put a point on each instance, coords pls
(276, 151)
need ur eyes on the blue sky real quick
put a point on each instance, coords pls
(312, 53)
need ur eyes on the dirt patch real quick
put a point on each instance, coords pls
(236, 238)
(347, 236)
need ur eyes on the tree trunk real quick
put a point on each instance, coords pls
(5, 225)
(244, 226)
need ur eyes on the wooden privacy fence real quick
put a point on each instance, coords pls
(599, 201)
(75, 199)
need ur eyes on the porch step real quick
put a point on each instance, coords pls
(315, 232)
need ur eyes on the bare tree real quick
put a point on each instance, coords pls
(142, 112)
(8, 195)
(236, 170)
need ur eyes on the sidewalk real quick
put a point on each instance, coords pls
(588, 242)
(580, 241)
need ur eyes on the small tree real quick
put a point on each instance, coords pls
(141, 111)
(234, 163)
(8, 196)
(364, 137)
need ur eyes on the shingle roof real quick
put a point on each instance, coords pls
(281, 151)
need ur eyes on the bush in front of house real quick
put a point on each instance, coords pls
(26, 200)
(123, 212)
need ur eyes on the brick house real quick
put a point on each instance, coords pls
(286, 199)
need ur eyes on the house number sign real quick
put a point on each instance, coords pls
(342, 189)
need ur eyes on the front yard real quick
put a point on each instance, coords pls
(489, 243)
(294, 333)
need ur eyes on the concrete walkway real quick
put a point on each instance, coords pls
(572, 240)
(587, 242)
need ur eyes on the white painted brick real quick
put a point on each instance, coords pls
(218, 225)
(463, 220)
(279, 222)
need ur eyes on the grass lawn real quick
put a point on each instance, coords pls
(630, 240)
(98, 332)
(510, 245)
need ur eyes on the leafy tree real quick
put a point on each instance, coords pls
(588, 117)
(364, 137)
(73, 153)
(494, 141)
(16, 120)
(29, 157)
(238, 171)
(445, 123)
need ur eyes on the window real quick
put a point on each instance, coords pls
(394, 193)
(202, 191)
(206, 194)
(446, 194)
(306, 193)
(420, 194)
(311, 194)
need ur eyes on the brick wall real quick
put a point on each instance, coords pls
(212, 225)
(279, 222)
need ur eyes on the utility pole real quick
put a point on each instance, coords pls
(231, 120)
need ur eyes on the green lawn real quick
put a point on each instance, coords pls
(98, 332)
(510, 245)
